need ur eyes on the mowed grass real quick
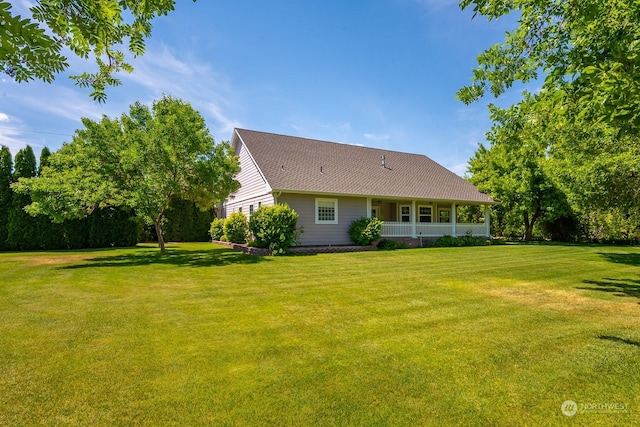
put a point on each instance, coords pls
(499, 335)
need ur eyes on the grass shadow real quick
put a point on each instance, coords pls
(620, 340)
(176, 257)
(617, 287)
(620, 258)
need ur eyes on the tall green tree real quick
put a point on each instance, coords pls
(6, 177)
(143, 161)
(599, 170)
(22, 229)
(34, 47)
(587, 50)
(45, 153)
(514, 169)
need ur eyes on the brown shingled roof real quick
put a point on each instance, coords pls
(306, 165)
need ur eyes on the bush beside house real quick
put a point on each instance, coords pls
(274, 228)
(236, 229)
(363, 231)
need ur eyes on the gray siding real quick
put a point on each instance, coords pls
(349, 208)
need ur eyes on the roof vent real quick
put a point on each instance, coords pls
(384, 162)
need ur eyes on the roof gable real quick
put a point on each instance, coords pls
(306, 165)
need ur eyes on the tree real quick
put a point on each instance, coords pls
(22, 228)
(514, 169)
(44, 159)
(6, 174)
(599, 170)
(586, 49)
(32, 47)
(143, 161)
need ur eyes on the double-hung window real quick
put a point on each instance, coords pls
(405, 213)
(326, 211)
(424, 214)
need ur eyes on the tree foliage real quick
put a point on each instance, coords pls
(514, 169)
(142, 161)
(22, 228)
(587, 50)
(32, 47)
(585, 176)
(6, 177)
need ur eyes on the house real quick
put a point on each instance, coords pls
(330, 184)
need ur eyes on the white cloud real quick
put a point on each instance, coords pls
(459, 168)
(4, 117)
(377, 138)
(161, 71)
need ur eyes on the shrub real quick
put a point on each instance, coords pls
(217, 229)
(466, 240)
(446, 241)
(235, 227)
(274, 228)
(390, 245)
(363, 231)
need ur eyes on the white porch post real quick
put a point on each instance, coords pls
(453, 219)
(487, 220)
(368, 207)
(413, 219)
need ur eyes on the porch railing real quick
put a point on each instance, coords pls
(405, 229)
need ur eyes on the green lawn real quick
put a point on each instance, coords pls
(498, 335)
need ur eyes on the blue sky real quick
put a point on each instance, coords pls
(380, 73)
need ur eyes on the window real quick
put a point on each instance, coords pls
(326, 211)
(424, 214)
(445, 215)
(405, 213)
(259, 205)
(240, 209)
(250, 209)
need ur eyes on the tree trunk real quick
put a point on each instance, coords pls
(158, 225)
(528, 226)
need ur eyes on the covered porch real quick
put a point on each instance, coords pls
(429, 219)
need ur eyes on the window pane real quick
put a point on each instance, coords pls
(326, 211)
(424, 214)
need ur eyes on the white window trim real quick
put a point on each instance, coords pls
(335, 207)
(431, 214)
(400, 213)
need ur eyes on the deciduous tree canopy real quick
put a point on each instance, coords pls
(588, 50)
(143, 160)
(33, 47)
